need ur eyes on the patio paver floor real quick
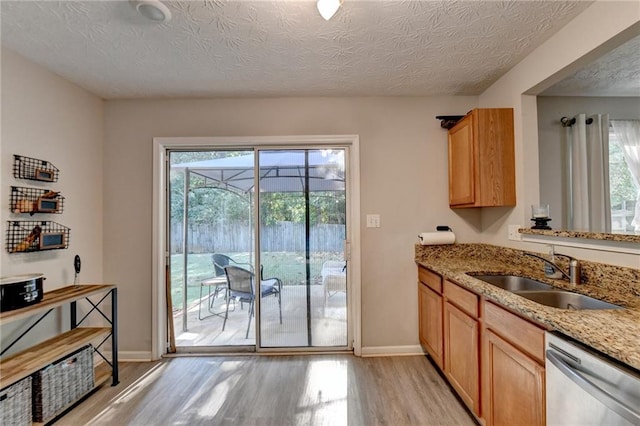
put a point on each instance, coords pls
(328, 325)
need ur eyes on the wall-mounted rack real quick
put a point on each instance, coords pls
(34, 169)
(28, 236)
(35, 200)
(448, 121)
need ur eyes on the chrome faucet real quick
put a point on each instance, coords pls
(574, 275)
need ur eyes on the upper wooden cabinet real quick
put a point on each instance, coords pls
(481, 159)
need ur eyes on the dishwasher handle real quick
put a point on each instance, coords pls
(594, 390)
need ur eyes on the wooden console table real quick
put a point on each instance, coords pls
(24, 363)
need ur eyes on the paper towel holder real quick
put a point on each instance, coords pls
(440, 228)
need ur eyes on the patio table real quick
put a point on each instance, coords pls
(217, 282)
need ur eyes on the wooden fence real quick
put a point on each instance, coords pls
(235, 238)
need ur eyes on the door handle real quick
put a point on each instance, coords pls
(347, 250)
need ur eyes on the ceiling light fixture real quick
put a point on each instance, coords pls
(328, 8)
(152, 9)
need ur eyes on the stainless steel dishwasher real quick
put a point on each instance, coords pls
(585, 388)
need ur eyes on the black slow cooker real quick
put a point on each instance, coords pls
(20, 291)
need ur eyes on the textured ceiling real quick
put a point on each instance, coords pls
(614, 74)
(282, 48)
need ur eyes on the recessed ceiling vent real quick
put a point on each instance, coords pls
(154, 10)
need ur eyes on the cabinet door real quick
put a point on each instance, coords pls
(462, 163)
(461, 354)
(430, 317)
(515, 388)
(495, 156)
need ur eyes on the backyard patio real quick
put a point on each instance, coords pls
(328, 325)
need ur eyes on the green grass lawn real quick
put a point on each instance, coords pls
(288, 266)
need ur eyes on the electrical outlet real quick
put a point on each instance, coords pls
(514, 234)
(373, 221)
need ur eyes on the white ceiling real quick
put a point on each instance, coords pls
(616, 73)
(214, 48)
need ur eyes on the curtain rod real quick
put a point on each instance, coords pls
(568, 122)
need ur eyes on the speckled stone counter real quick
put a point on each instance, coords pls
(627, 238)
(612, 332)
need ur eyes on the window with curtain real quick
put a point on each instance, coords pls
(624, 175)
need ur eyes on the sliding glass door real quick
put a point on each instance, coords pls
(297, 222)
(302, 230)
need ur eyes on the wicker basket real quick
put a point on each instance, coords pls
(15, 404)
(62, 383)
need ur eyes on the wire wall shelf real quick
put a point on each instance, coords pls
(34, 169)
(35, 200)
(25, 236)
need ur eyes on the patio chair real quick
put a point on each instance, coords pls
(221, 260)
(218, 281)
(241, 288)
(334, 278)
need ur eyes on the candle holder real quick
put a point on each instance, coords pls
(541, 223)
(540, 216)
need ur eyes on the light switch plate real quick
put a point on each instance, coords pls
(514, 234)
(373, 221)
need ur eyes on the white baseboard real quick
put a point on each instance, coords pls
(392, 350)
(134, 356)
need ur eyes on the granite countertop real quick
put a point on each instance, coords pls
(615, 333)
(627, 238)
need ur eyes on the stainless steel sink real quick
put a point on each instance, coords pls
(566, 300)
(545, 294)
(513, 283)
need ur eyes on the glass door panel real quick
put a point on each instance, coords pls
(211, 225)
(302, 229)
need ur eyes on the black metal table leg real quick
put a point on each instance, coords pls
(114, 337)
(74, 313)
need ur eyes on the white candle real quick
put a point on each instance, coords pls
(540, 211)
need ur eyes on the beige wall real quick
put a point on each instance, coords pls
(589, 35)
(46, 117)
(403, 178)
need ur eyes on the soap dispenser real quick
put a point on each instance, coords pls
(549, 270)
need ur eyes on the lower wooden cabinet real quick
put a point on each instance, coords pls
(493, 358)
(513, 369)
(430, 322)
(461, 351)
(514, 385)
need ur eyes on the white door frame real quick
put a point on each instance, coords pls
(159, 220)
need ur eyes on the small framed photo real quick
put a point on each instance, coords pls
(52, 240)
(48, 205)
(45, 175)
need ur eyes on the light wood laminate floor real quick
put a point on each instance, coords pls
(274, 390)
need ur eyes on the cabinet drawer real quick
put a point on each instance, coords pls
(431, 279)
(462, 298)
(518, 331)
